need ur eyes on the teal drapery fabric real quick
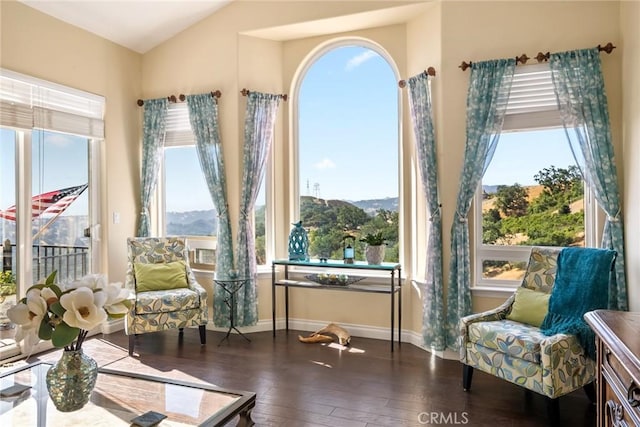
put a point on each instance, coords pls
(579, 86)
(154, 120)
(203, 115)
(258, 133)
(433, 290)
(489, 86)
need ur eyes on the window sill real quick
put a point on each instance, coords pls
(493, 291)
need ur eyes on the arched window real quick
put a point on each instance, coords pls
(347, 148)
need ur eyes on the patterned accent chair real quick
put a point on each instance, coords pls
(159, 310)
(517, 352)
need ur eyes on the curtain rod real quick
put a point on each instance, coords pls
(540, 57)
(429, 71)
(246, 92)
(181, 98)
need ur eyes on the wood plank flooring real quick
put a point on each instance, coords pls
(313, 385)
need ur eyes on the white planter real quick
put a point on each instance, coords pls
(375, 254)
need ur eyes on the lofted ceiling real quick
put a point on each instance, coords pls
(139, 25)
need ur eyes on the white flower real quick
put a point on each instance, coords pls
(115, 301)
(28, 317)
(83, 308)
(91, 281)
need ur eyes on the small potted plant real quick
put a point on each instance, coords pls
(374, 252)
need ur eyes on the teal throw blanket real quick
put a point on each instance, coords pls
(581, 285)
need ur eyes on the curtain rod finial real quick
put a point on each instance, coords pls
(607, 48)
(465, 65)
(431, 71)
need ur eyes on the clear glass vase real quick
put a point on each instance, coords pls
(71, 380)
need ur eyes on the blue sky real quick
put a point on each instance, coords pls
(521, 155)
(348, 123)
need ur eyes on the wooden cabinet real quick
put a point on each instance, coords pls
(618, 380)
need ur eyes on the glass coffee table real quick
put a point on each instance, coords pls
(119, 397)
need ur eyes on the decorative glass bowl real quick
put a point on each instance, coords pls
(333, 279)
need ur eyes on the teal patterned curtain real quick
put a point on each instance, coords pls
(490, 83)
(258, 133)
(433, 291)
(577, 78)
(203, 115)
(155, 115)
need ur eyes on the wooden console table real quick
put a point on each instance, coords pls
(395, 284)
(618, 367)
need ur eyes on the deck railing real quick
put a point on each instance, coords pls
(70, 262)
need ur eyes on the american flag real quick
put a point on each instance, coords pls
(53, 202)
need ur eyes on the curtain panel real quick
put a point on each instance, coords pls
(203, 116)
(489, 86)
(258, 134)
(425, 143)
(154, 121)
(579, 87)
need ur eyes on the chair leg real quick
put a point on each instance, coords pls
(590, 391)
(553, 411)
(203, 334)
(132, 343)
(467, 376)
(181, 331)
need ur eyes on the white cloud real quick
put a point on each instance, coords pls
(325, 164)
(360, 59)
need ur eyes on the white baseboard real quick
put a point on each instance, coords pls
(364, 331)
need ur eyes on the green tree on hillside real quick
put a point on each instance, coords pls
(512, 200)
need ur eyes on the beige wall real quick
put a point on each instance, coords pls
(67, 55)
(630, 51)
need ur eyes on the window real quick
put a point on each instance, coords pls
(532, 193)
(49, 202)
(186, 207)
(348, 145)
(49, 135)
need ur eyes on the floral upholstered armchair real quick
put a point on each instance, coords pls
(519, 352)
(167, 295)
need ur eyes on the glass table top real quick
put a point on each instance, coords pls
(117, 398)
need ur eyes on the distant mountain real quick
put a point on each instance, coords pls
(373, 205)
(490, 189)
(192, 223)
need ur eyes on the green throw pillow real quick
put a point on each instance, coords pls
(161, 276)
(529, 307)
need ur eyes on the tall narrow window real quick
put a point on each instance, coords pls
(188, 208)
(348, 151)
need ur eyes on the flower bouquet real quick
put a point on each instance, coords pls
(65, 314)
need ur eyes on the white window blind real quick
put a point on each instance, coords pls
(178, 128)
(27, 102)
(532, 101)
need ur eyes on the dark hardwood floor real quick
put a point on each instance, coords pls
(364, 385)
